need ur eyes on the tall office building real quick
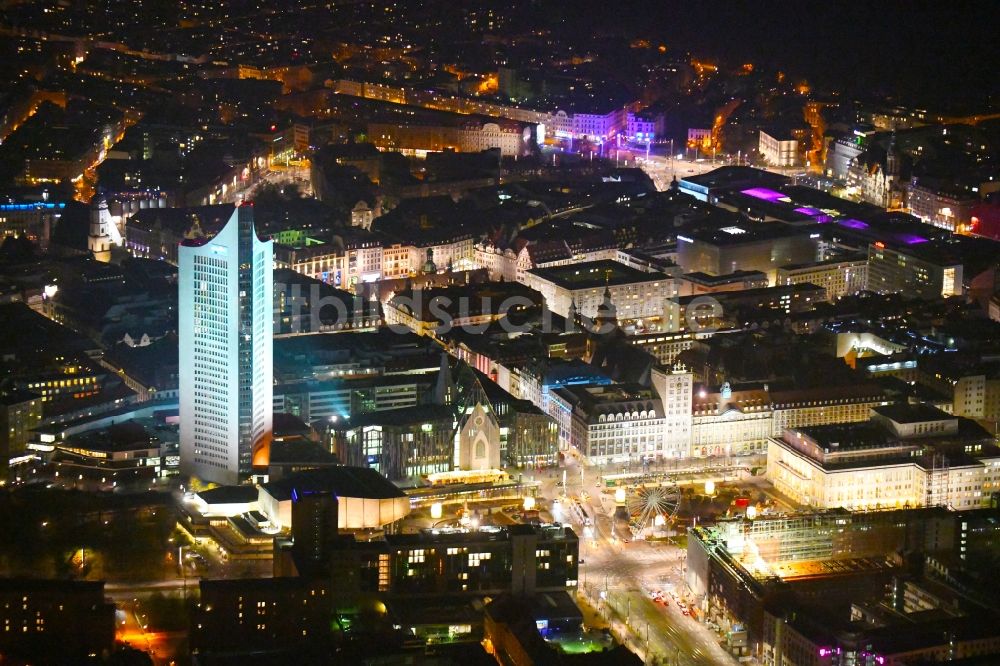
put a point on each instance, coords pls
(225, 330)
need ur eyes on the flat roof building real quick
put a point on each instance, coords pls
(636, 294)
(707, 186)
(365, 499)
(838, 277)
(749, 247)
(905, 456)
(55, 621)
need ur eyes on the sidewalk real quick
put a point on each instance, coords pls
(592, 618)
(622, 633)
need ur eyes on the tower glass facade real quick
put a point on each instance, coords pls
(225, 330)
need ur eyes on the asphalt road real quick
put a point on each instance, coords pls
(616, 575)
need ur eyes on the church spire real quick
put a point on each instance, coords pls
(892, 157)
(607, 312)
(444, 389)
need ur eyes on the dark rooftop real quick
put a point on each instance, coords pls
(300, 452)
(125, 436)
(737, 176)
(592, 274)
(736, 276)
(403, 416)
(17, 396)
(341, 481)
(749, 232)
(845, 436)
(228, 495)
(907, 413)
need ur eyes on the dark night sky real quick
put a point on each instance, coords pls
(944, 50)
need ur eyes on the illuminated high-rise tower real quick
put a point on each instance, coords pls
(225, 328)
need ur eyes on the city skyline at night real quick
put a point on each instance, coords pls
(472, 333)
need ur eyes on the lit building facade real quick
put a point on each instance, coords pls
(636, 294)
(225, 340)
(33, 220)
(342, 398)
(639, 128)
(400, 443)
(778, 150)
(951, 210)
(914, 272)
(838, 277)
(724, 428)
(906, 456)
(285, 611)
(512, 138)
(763, 248)
(731, 422)
(367, 261)
(666, 347)
(20, 412)
(626, 422)
(529, 437)
(974, 392)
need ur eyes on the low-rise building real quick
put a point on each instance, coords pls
(973, 390)
(695, 284)
(360, 497)
(727, 422)
(433, 311)
(31, 217)
(342, 398)
(124, 453)
(709, 311)
(471, 136)
(905, 456)
(826, 588)
(635, 294)
(433, 569)
(306, 305)
(529, 436)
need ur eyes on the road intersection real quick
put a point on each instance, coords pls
(618, 574)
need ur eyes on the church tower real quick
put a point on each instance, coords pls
(607, 314)
(573, 322)
(99, 240)
(892, 159)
